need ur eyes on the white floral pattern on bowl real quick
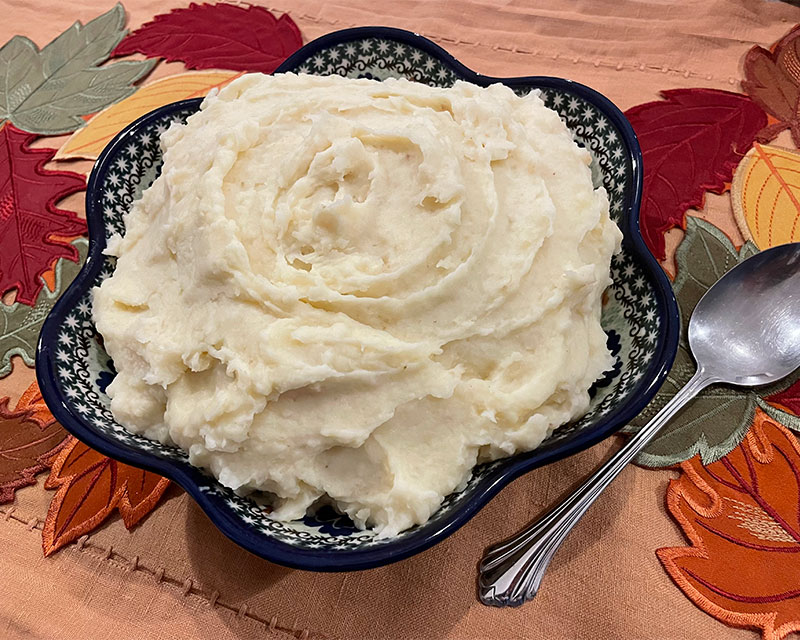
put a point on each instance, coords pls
(640, 315)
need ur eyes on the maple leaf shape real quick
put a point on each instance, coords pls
(33, 230)
(691, 142)
(48, 91)
(772, 80)
(741, 516)
(217, 36)
(20, 323)
(90, 486)
(29, 439)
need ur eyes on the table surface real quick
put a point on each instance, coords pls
(175, 575)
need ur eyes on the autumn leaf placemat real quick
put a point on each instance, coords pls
(727, 470)
(72, 85)
(738, 496)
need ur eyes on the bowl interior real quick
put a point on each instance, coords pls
(633, 314)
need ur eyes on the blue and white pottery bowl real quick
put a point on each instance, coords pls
(640, 315)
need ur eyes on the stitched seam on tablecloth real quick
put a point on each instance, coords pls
(619, 66)
(186, 587)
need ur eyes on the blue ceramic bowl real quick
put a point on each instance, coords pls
(640, 315)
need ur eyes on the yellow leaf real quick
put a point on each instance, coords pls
(89, 141)
(766, 196)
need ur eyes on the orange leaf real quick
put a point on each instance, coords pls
(89, 141)
(766, 196)
(33, 402)
(741, 516)
(90, 486)
(29, 439)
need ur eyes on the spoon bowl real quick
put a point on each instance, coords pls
(746, 329)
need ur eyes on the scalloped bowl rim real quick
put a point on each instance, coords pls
(184, 474)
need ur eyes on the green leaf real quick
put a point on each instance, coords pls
(715, 422)
(48, 91)
(20, 324)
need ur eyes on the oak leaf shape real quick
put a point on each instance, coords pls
(20, 323)
(32, 228)
(691, 142)
(765, 194)
(742, 519)
(772, 80)
(217, 36)
(48, 91)
(30, 437)
(90, 141)
(90, 487)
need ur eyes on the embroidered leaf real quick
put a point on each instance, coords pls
(778, 414)
(32, 228)
(48, 91)
(20, 323)
(716, 421)
(29, 439)
(222, 36)
(90, 141)
(765, 194)
(772, 80)
(691, 141)
(90, 486)
(32, 402)
(784, 405)
(789, 398)
(741, 513)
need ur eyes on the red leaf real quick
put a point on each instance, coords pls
(691, 143)
(217, 36)
(29, 219)
(741, 515)
(29, 439)
(90, 486)
(788, 399)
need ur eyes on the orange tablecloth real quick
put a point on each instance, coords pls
(175, 575)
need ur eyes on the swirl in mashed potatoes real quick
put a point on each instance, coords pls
(357, 290)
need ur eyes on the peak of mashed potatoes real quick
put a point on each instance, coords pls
(357, 290)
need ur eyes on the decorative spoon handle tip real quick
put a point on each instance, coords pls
(511, 571)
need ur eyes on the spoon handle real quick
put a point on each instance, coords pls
(511, 571)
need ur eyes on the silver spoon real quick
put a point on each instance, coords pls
(744, 331)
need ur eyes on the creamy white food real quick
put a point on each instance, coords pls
(354, 291)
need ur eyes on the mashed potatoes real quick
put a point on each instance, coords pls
(357, 290)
